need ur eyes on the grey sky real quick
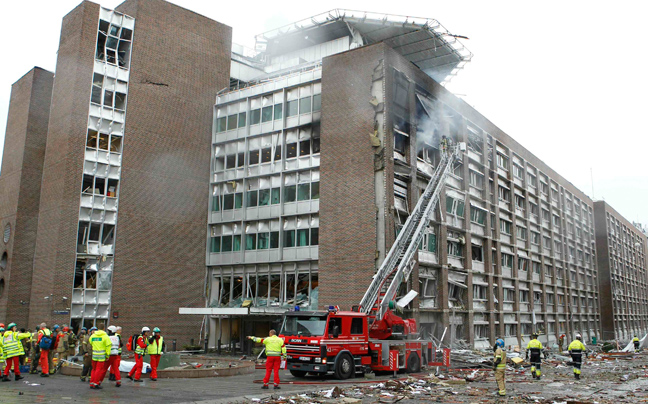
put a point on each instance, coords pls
(566, 79)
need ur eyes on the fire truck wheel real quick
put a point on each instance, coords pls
(298, 373)
(413, 363)
(344, 367)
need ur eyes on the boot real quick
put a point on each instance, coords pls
(83, 379)
(111, 377)
(5, 378)
(18, 377)
(577, 376)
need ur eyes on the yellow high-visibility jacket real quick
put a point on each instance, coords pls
(101, 345)
(11, 345)
(274, 345)
(576, 346)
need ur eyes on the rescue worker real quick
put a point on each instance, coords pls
(275, 351)
(114, 370)
(100, 354)
(2, 359)
(140, 349)
(155, 349)
(72, 342)
(444, 144)
(26, 343)
(536, 349)
(52, 351)
(85, 350)
(577, 350)
(62, 346)
(499, 366)
(35, 353)
(44, 332)
(561, 342)
(635, 341)
(12, 349)
(115, 355)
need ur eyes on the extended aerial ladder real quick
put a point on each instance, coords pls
(398, 264)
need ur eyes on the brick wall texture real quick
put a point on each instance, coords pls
(20, 183)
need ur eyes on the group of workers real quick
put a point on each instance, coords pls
(101, 351)
(535, 352)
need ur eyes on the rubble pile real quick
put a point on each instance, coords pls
(604, 380)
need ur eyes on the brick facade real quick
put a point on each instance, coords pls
(20, 184)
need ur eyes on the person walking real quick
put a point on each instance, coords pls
(499, 366)
(34, 352)
(100, 354)
(141, 342)
(275, 351)
(114, 370)
(115, 355)
(535, 348)
(85, 350)
(155, 349)
(577, 350)
(635, 341)
(45, 339)
(12, 348)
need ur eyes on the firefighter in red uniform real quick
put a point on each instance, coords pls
(275, 351)
(140, 349)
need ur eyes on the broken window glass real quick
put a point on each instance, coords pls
(230, 161)
(400, 142)
(95, 97)
(302, 237)
(111, 56)
(115, 143)
(264, 197)
(112, 42)
(316, 145)
(104, 280)
(263, 241)
(250, 241)
(292, 107)
(253, 157)
(289, 193)
(277, 154)
(303, 192)
(252, 198)
(92, 139)
(103, 141)
(126, 34)
(240, 159)
(266, 114)
(274, 239)
(289, 238)
(108, 234)
(101, 46)
(275, 196)
(215, 246)
(477, 253)
(123, 53)
(255, 116)
(304, 147)
(314, 233)
(78, 274)
(104, 26)
(232, 121)
(226, 284)
(266, 155)
(95, 229)
(291, 150)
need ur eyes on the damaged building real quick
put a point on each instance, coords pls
(322, 144)
(322, 139)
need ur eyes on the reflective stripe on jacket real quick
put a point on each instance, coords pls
(499, 353)
(115, 341)
(274, 345)
(576, 347)
(534, 347)
(11, 345)
(100, 346)
(155, 347)
(139, 349)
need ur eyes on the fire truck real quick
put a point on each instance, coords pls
(371, 337)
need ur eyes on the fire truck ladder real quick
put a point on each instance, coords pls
(398, 263)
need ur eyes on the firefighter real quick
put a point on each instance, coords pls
(275, 351)
(115, 355)
(72, 342)
(444, 144)
(155, 349)
(141, 344)
(561, 342)
(26, 343)
(53, 349)
(44, 332)
(577, 350)
(2, 359)
(34, 353)
(12, 348)
(635, 341)
(85, 350)
(100, 354)
(62, 346)
(499, 366)
(536, 349)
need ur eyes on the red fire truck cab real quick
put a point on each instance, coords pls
(319, 342)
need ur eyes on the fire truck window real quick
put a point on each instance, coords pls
(357, 326)
(334, 324)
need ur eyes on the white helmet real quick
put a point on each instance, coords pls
(112, 328)
(145, 329)
(578, 336)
